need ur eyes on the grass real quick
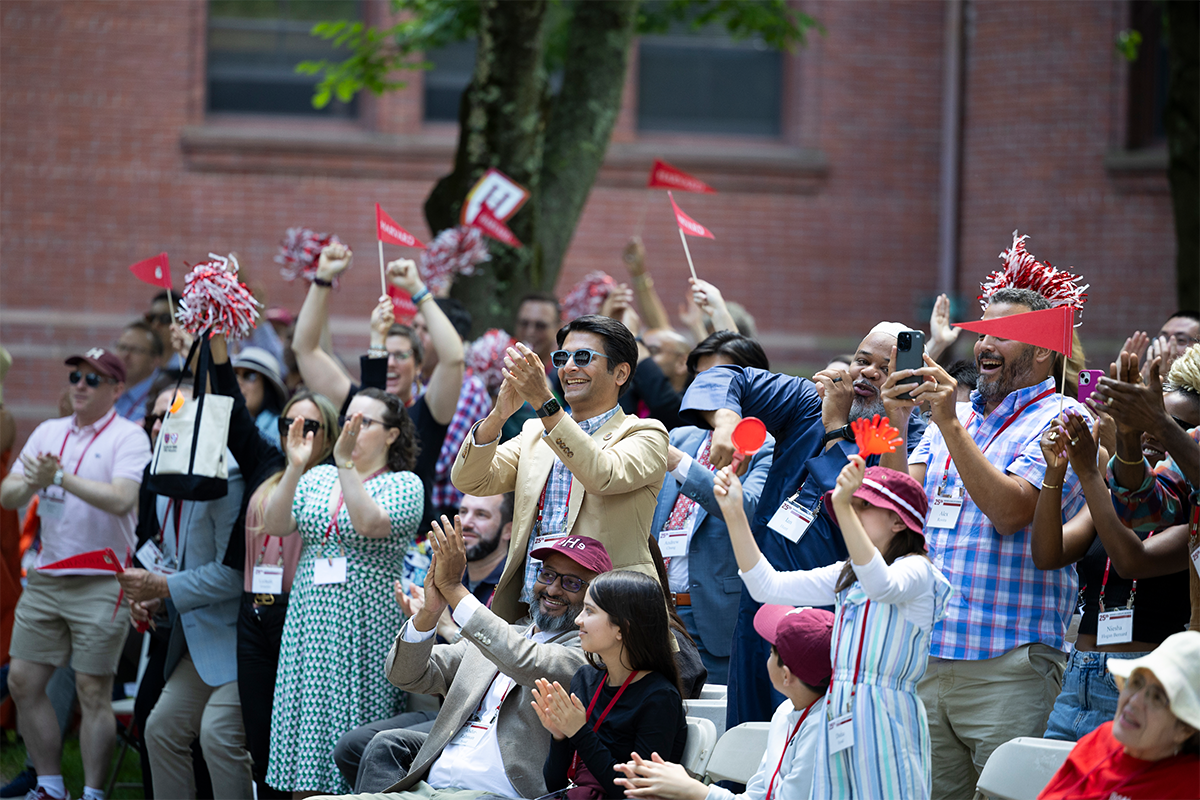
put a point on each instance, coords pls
(12, 761)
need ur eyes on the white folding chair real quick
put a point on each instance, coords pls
(712, 710)
(701, 736)
(1020, 768)
(714, 691)
(737, 753)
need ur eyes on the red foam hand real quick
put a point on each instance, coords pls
(875, 436)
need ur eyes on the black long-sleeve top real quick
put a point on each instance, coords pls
(648, 719)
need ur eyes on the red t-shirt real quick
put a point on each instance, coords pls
(1099, 769)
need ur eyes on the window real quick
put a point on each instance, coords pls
(253, 49)
(707, 83)
(1148, 78)
(453, 67)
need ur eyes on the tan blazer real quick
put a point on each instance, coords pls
(617, 473)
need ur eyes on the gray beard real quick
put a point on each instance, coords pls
(1012, 377)
(560, 624)
(862, 408)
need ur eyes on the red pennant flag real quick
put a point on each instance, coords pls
(402, 304)
(104, 559)
(154, 271)
(687, 224)
(664, 176)
(388, 231)
(486, 221)
(1050, 328)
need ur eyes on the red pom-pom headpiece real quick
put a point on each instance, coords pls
(214, 301)
(454, 251)
(1022, 271)
(299, 252)
(588, 295)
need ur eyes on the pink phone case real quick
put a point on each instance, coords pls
(1089, 379)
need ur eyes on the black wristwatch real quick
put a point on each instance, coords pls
(844, 432)
(549, 408)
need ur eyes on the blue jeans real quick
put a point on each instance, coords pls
(1088, 698)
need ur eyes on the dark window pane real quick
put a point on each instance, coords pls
(453, 66)
(253, 49)
(700, 87)
(1149, 78)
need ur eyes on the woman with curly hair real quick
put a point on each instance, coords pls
(356, 518)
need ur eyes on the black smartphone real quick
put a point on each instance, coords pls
(910, 352)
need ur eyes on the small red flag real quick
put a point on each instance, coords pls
(388, 231)
(402, 303)
(104, 559)
(1050, 328)
(154, 271)
(687, 224)
(486, 221)
(664, 176)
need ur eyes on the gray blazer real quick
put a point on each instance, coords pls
(713, 580)
(463, 672)
(206, 594)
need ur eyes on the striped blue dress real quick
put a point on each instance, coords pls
(890, 757)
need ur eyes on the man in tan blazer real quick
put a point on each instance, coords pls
(595, 472)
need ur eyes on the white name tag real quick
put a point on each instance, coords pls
(51, 507)
(1115, 627)
(546, 540)
(471, 734)
(154, 561)
(1196, 560)
(269, 579)
(792, 520)
(841, 733)
(675, 543)
(944, 512)
(329, 570)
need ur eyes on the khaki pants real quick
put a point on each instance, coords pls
(976, 706)
(187, 708)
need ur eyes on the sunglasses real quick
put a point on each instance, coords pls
(164, 318)
(366, 422)
(285, 425)
(559, 358)
(570, 583)
(247, 375)
(91, 379)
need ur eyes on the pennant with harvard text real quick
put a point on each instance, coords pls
(154, 271)
(687, 224)
(500, 194)
(1050, 328)
(104, 559)
(402, 304)
(664, 176)
(486, 221)
(388, 231)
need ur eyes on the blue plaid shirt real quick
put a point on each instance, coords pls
(554, 513)
(1001, 600)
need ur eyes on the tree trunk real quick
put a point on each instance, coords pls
(1182, 121)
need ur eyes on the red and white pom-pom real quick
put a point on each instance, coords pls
(454, 251)
(214, 301)
(299, 252)
(1022, 271)
(485, 357)
(588, 295)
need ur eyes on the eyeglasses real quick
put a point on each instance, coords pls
(1153, 695)
(559, 358)
(91, 379)
(570, 583)
(401, 355)
(164, 318)
(247, 375)
(366, 422)
(153, 418)
(1183, 423)
(1182, 339)
(539, 324)
(310, 426)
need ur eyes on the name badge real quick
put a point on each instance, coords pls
(268, 579)
(51, 507)
(944, 511)
(154, 561)
(675, 543)
(328, 570)
(1115, 627)
(1196, 560)
(546, 540)
(792, 519)
(841, 733)
(471, 734)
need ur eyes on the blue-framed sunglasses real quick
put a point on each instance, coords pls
(583, 357)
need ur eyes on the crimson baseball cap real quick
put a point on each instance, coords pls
(583, 550)
(802, 636)
(103, 361)
(895, 491)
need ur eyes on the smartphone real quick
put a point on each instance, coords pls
(1089, 379)
(910, 354)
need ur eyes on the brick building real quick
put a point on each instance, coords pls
(843, 203)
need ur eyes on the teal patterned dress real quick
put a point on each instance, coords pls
(337, 636)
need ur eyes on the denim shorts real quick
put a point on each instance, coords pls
(1088, 698)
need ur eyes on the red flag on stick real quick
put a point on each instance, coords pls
(687, 224)
(402, 304)
(1050, 328)
(486, 221)
(154, 271)
(388, 231)
(104, 559)
(664, 176)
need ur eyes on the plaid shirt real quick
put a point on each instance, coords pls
(1001, 600)
(1164, 498)
(555, 508)
(474, 403)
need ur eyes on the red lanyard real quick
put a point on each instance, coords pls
(795, 730)
(1004, 427)
(87, 446)
(162, 529)
(542, 503)
(603, 681)
(1104, 583)
(862, 635)
(333, 522)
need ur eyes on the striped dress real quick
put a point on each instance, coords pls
(890, 756)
